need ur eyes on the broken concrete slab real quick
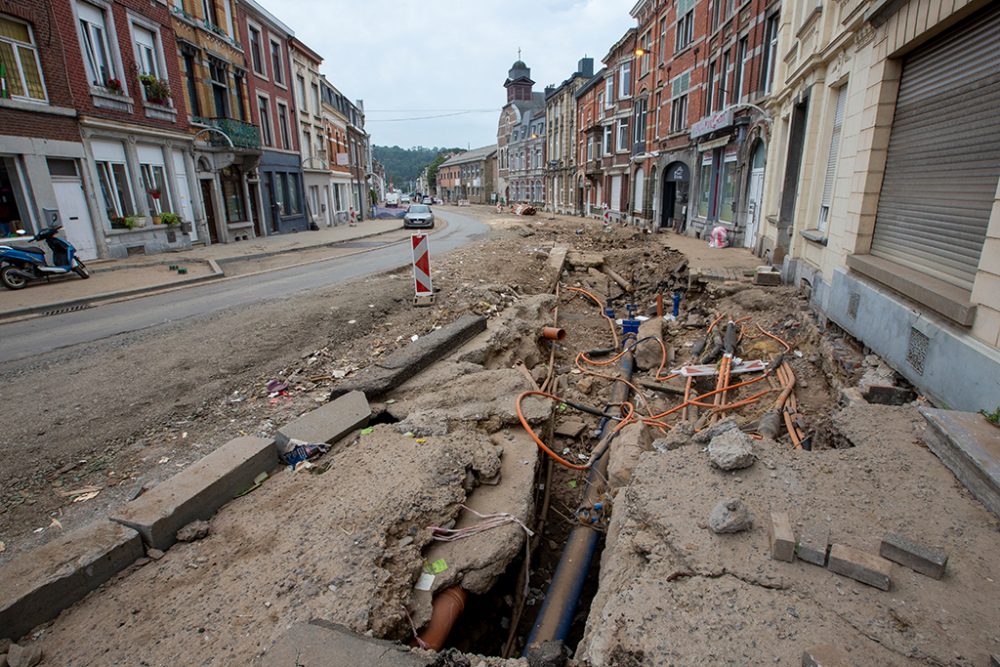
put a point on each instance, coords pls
(625, 450)
(321, 644)
(781, 537)
(919, 558)
(649, 352)
(731, 450)
(887, 394)
(970, 447)
(814, 544)
(860, 566)
(477, 561)
(406, 362)
(730, 516)
(825, 655)
(198, 491)
(554, 266)
(22, 656)
(766, 276)
(585, 259)
(37, 585)
(570, 428)
(329, 422)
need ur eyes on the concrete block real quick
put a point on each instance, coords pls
(825, 655)
(970, 447)
(322, 644)
(860, 566)
(781, 537)
(649, 353)
(765, 275)
(814, 544)
(625, 451)
(570, 428)
(406, 362)
(330, 422)
(887, 394)
(37, 585)
(919, 558)
(198, 491)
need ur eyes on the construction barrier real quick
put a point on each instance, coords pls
(424, 292)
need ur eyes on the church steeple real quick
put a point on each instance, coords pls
(518, 83)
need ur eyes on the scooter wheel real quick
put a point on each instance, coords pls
(81, 270)
(11, 279)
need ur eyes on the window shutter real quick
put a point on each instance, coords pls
(831, 163)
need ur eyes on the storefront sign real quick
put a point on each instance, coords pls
(717, 121)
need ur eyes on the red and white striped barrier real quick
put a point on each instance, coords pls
(421, 270)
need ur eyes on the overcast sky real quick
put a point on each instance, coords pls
(440, 56)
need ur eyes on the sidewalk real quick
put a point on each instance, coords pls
(112, 279)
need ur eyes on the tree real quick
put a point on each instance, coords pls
(432, 170)
(403, 165)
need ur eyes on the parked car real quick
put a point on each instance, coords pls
(418, 216)
(392, 199)
(426, 200)
(406, 199)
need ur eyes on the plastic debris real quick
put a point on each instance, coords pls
(297, 451)
(438, 566)
(571, 483)
(367, 431)
(425, 581)
(83, 497)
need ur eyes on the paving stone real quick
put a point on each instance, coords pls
(198, 491)
(814, 544)
(825, 655)
(887, 394)
(329, 422)
(765, 275)
(925, 560)
(37, 585)
(323, 644)
(570, 428)
(781, 537)
(860, 566)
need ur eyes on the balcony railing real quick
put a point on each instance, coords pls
(242, 134)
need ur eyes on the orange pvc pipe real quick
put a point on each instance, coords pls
(448, 605)
(553, 333)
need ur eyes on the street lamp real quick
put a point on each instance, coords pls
(640, 52)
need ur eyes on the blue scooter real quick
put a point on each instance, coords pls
(21, 264)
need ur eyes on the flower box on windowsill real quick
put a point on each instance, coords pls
(106, 98)
(160, 110)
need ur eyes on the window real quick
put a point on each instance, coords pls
(710, 89)
(625, 84)
(609, 91)
(607, 139)
(705, 185)
(96, 54)
(646, 44)
(831, 162)
(256, 51)
(117, 193)
(300, 92)
(286, 140)
(679, 101)
(738, 75)
(622, 135)
(276, 65)
(307, 143)
(685, 24)
(770, 53)
(639, 129)
(232, 194)
(317, 109)
(240, 80)
(292, 201)
(145, 51)
(640, 190)
(265, 121)
(192, 85)
(154, 182)
(219, 75)
(727, 195)
(590, 148)
(211, 12)
(663, 41)
(716, 14)
(723, 76)
(19, 60)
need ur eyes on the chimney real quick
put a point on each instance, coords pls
(549, 89)
(586, 67)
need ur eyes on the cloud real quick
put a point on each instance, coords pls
(404, 57)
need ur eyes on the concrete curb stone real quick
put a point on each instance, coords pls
(197, 492)
(37, 585)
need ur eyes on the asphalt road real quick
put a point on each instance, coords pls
(35, 336)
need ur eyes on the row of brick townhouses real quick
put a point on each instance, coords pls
(468, 176)
(853, 143)
(114, 113)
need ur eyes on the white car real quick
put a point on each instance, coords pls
(405, 199)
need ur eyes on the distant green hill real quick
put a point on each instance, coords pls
(405, 164)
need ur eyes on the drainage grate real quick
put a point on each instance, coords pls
(67, 309)
(852, 305)
(916, 351)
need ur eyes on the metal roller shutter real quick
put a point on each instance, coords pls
(943, 162)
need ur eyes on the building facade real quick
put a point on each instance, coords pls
(316, 173)
(617, 128)
(226, 142)
(589, 134)
(520, 135)
(273, 109)
(43, 174)
(468, 176)
(881, 200)
(563, 183)
(335, 124)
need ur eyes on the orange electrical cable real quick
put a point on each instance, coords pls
(611, 322)
(714, 322)
(788, 348)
